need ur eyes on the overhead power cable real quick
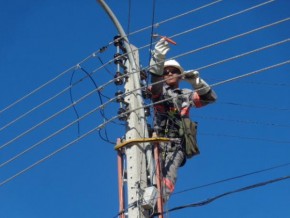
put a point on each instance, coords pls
(234, 37)
(268, 107)
(58, 131)
(215, 21)
(47, 138)
(78, 67)
(47, 157)
(281, 84)
(152, 28)
(232, 178)
(225, 81)
(244, 54)
(115, 117)
(103, 48)
(71, 98)
(261, 83)
(37, 107)
(251, 73)
(243, 121)
(37, 89)
(245, 137)
(214, 44)
(49, 99)
(48, 119)
(129, 16)
(93, 55)
(210, 200)
(102, 112)
(175, 17)
(223, 18)
(240, 55)
(52, 80)
(215, 84)
(64, 109)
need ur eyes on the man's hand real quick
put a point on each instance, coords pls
(158, 57)
(161, 48)
(192, 76)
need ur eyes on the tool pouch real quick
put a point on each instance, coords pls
(188, 130)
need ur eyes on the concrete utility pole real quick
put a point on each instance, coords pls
(136, 129)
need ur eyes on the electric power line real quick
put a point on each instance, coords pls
(49, 99)
(101, 50)
(210, 200)
(245, 137)
(214, 21)
(244, 121)
(24, 133)
(115, 117)
(252, 73)
(219, 182)
(52, 80)
(223, 18)
(175, 17)
(268, 107)
(244, 54)
(233, 178)
(233, 37)
(207, 46)
(49, 118)
(243, 75)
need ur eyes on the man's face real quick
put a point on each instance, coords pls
(172, 76)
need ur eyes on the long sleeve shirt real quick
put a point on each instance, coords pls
(172, 104)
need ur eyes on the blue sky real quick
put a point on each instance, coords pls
(247, 130)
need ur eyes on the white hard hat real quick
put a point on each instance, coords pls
(173, 63)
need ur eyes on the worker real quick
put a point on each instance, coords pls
(165, 78)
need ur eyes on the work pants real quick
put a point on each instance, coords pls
(172, 158)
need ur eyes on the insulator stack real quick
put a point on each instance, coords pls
(119, 60)
(120, 78)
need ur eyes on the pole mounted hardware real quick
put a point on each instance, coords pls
(136, 125)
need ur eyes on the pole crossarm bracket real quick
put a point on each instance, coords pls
(141, 140)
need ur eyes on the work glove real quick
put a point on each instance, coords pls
(192, 76)
(158, 57)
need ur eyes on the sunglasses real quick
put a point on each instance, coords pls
(172, 71)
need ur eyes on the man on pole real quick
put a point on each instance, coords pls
(172, 115)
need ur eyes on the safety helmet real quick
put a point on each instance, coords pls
(173, 63)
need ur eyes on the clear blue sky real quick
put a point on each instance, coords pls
(247, 130)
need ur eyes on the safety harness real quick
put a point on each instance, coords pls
(174, 122)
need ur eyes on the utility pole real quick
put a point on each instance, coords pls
(136, 129)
